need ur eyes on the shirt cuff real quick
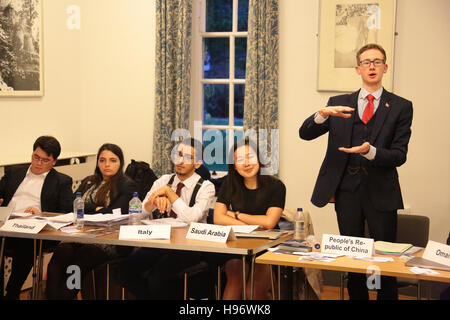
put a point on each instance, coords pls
(371, 154)
(179, 206)
(318, 119)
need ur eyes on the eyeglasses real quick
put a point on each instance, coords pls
(43, 160)
(185, 157)
(366, 63)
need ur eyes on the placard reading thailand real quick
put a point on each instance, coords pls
(145, 232)
(437, 252)
(349, 246)
(210, 232)
(24, 226)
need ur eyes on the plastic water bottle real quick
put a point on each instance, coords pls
(300, 231)
(135, 210)
(78, 210)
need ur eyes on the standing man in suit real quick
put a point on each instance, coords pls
(368, 136)
(35, 188)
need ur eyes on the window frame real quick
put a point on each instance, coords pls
(197, 80)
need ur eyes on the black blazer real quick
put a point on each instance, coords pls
(126, 187)
(56, 194)
(390, 136)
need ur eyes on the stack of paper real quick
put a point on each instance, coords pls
(382, 247)
(105, 220)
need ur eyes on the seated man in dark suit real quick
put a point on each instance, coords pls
(36, 188)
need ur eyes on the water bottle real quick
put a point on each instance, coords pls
(78, 211)
(299, 220)
(135, 210)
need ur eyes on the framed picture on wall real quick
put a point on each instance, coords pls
(346, 26)
(21, 48)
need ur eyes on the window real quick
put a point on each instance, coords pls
(218, 76)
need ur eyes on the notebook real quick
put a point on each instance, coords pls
(424, 263)
(5, 212)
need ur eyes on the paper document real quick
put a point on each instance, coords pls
(108, 219)
(375, 259)
(391, 247)
(418, 270)
(174, 223)
(21, 214)
(244, 229)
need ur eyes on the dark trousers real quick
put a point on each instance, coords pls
(22, 253)
(353, 209)
(152, 273)
(85, 256)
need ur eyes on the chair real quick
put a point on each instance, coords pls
(413, 229)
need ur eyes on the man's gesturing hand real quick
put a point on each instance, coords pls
(338, 111)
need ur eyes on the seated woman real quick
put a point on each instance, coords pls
(248, 198)
(104, 191)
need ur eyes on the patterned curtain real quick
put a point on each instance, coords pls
(261, 90)
(173, 63)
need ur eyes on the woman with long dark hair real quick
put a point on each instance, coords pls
(102, 192)
(248, 197)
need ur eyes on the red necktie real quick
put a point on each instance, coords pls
(180, 186)
(368, 111)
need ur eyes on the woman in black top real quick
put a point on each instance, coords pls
(248, 198)
(104, 191)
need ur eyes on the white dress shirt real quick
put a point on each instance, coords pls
(203, 201)
(28, 194)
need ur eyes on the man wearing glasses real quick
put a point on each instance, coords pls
(369, 132)
(33, 189)
(184, 196)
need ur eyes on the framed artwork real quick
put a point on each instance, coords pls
(21, 48)
(345, 27)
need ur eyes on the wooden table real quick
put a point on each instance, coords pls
(396, 268)
(245, 247)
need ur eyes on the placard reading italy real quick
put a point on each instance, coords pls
(349, 246)
(145, 232)
(210, 232)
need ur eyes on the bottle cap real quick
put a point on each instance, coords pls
(299, 209)
(78, 194)
(135, 194)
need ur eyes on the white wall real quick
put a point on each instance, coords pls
(421, 72)
(98, 82)
(99, 87)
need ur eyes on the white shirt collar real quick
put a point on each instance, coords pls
(377, 94)
(31, 174)
(189, 182)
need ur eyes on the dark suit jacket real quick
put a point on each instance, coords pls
(126, 187)
(56, 194)
(390, 136)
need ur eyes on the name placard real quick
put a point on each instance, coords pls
(144, 232)
(349, 246)
(210, 232)
(437, 252)
(24, 226)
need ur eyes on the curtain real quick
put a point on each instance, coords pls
(261, 89)
(173, 62)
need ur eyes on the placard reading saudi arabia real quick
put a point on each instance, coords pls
(349, 246)
(145, 232)
(24, 226)
(210, 232)
(437, 252)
